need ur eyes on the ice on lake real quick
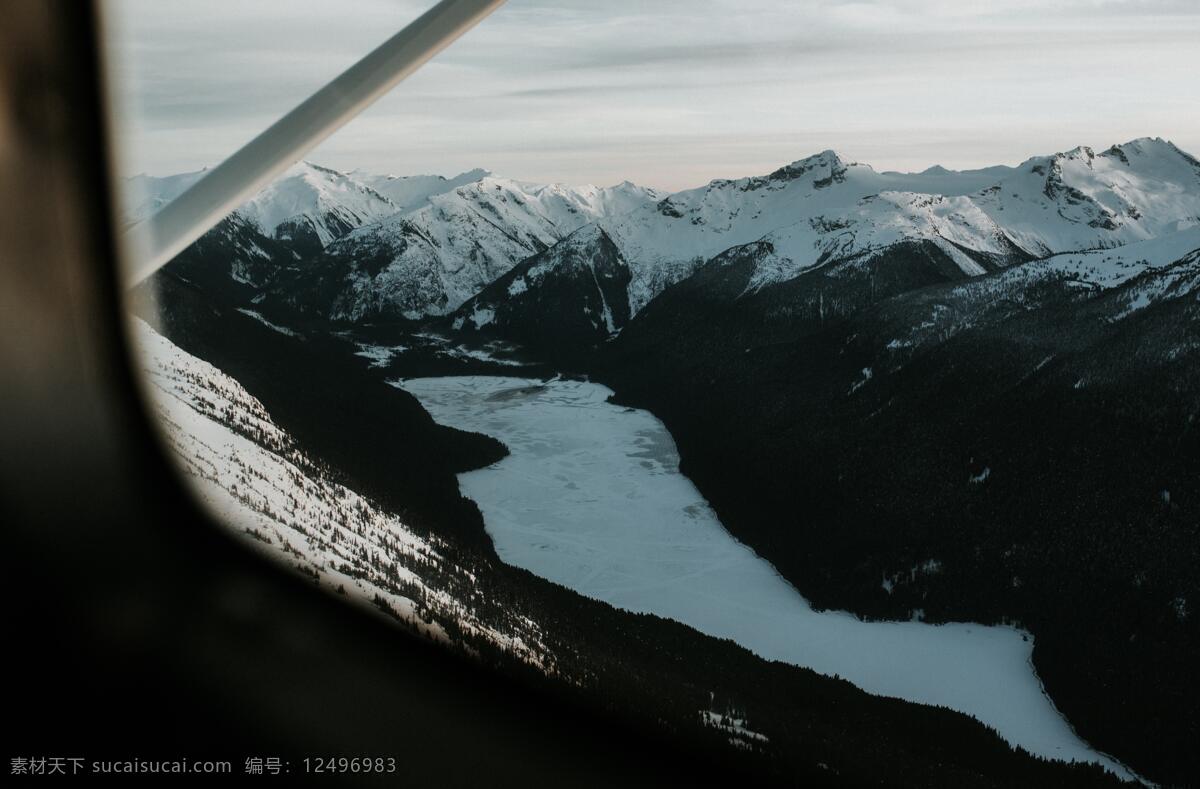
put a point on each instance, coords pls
(591, 497)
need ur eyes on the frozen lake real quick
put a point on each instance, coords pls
(591, 497)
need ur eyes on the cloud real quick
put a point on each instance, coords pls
(671, 92)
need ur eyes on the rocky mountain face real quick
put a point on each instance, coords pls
(429, 261)
(585, 271)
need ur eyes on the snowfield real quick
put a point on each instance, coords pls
(252, 476)
(591, 497)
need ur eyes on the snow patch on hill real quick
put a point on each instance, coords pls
(257, 480)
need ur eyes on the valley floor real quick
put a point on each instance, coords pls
(591, 497)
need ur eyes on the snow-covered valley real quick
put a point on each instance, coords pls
(591, 497)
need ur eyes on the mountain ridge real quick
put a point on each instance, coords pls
(389, 247)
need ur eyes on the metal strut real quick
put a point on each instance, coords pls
(153, 242)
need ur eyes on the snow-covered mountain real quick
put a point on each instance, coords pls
(823, 209)
(367, 246)
(411, 246)
(574, 293)
(429, 261)
(311, 206)
(872, 233)
(308, 206)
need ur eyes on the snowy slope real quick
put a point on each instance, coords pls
(1077, 200)
(260, 483)
(1108, 268)
(410, 192)
(1158, 268)
(309, 199)
(1109, 285)
(430, 261)
(574, 294)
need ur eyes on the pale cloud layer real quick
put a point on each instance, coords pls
(668, 93)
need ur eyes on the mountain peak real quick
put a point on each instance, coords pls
(827, 164)
(1146, 143)
(476, 174)
(1083, 152)
(305, 166)
(827, 158)
(588, 234)
(1141, 146)
(1147, 146)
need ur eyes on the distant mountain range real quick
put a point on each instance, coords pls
(401, 246)
(365, 247)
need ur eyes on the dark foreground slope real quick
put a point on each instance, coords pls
(654, 673)
(1012, 448)
(377, 437)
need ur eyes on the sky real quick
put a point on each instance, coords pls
(665, 93)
